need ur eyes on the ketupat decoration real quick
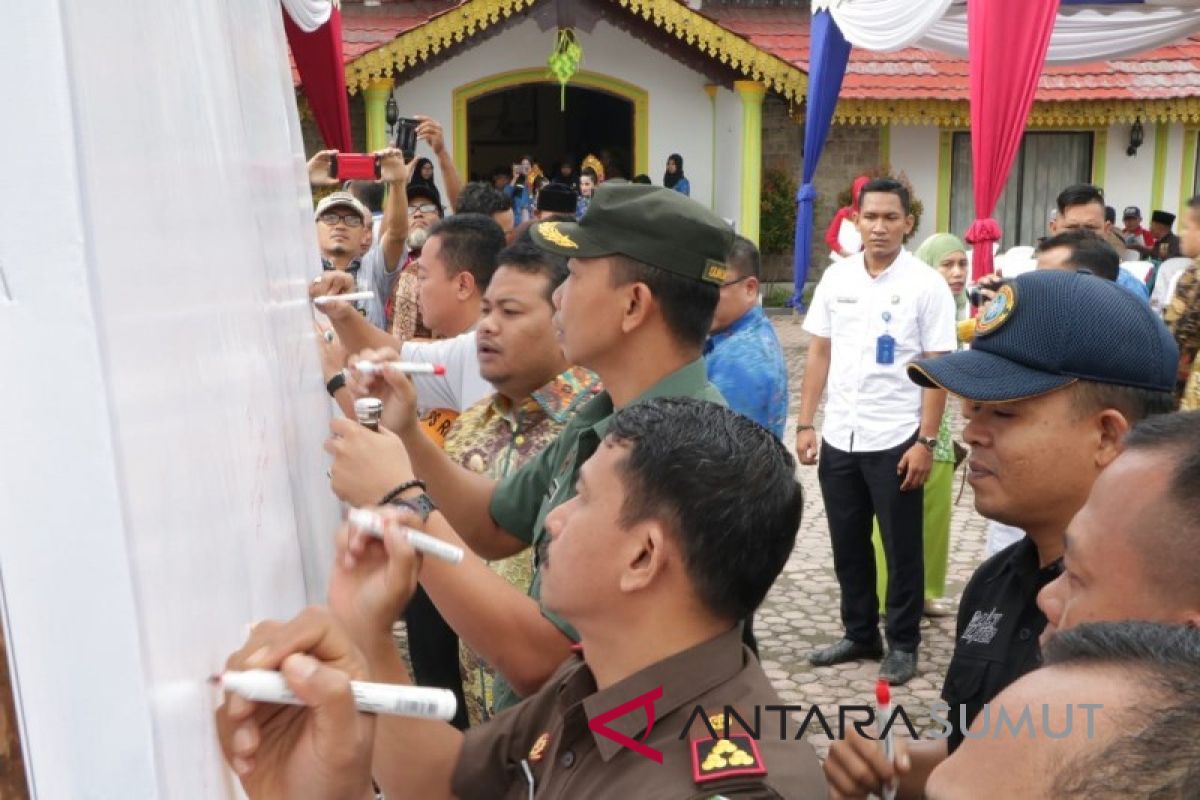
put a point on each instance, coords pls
(564, 62)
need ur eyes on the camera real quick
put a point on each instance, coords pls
(406, 137)
(982, 293)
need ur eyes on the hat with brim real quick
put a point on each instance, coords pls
(342, 200)
(984, 377)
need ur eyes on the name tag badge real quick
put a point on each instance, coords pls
(885, 349)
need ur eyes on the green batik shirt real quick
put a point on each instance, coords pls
(522, 500)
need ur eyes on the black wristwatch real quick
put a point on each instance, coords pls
(335, 383)
(422, 504)
(928, 441)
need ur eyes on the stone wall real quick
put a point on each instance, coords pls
(850, 150)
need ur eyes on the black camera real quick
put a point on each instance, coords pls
(982, 293)
(406, 137)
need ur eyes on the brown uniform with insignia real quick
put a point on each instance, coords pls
(544, 747)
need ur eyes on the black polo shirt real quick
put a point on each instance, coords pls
(998, 628)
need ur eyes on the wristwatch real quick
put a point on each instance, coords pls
(928, 441)
(422, 504)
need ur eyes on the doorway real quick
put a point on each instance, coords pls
(500, 119)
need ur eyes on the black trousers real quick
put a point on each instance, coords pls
(433, 648)
(857, 487)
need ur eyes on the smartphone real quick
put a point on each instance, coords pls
(406, 137)
(354, 166)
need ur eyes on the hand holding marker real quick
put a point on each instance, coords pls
(407, 367)
(268, 686)
(371, 523)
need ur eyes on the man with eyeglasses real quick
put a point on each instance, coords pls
(344, 223)
(423, 209)
(742, 354)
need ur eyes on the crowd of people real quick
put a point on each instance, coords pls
(604, 438)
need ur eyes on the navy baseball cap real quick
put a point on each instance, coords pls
(1046, 330)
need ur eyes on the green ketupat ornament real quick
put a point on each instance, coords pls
(564, 62)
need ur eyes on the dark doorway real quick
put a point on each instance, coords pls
(505, 125)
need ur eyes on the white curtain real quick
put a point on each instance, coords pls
(883, 24)
(308, 14)
(1081, 33)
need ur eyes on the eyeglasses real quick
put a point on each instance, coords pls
(735, 282)
(351, 220)
(424, 208)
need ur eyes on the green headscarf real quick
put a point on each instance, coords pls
(937, 247)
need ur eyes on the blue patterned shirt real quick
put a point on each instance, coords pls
(746, 363)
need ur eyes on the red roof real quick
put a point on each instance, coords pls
(914, 74)
(910, 74)
(365, 28)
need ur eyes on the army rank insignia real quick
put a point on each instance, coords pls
(717, 759)
(538, 751)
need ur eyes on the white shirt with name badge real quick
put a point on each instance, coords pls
(871, 406)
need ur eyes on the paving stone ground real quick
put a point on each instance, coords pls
(801, 612)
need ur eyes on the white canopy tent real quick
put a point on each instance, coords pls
(1081, 32)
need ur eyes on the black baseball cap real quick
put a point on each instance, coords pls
(426, 190)
(1048, 329)
(1131, 212)
(652, 224)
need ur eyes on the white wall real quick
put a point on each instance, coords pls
(1128, 179)
(914, 150)
(680, 113)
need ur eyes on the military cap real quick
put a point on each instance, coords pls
(651, 224)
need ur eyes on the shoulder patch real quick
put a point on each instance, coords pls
(998, 311)
(717, 759)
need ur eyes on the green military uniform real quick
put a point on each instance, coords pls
(545, 748)
(655, 226)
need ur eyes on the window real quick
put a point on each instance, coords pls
(1046, 164)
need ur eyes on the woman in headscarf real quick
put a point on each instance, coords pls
(673, 178)
(947, 254)
(422, 173)
(842, 235)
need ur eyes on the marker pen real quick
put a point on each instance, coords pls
(407, 367)
(369, 411)
(883, 710)
(349, 297)
(371, 523)
(268, 686)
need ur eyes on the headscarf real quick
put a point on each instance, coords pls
(669, 179)
(937, 247)
(415, 179)
(856, 190)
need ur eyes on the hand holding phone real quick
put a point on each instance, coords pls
(354, 167)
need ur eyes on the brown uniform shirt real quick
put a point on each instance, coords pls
(544, 748)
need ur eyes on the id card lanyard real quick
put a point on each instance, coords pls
(885, 345)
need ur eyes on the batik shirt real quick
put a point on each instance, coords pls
(493, 438)
(746, 363)
(1183, 314)
(405, 314)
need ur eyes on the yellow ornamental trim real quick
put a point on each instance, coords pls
(414, 46)
(956, 113)
(723, 45)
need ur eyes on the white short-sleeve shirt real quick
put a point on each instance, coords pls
(871, 406)
(461, 387)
